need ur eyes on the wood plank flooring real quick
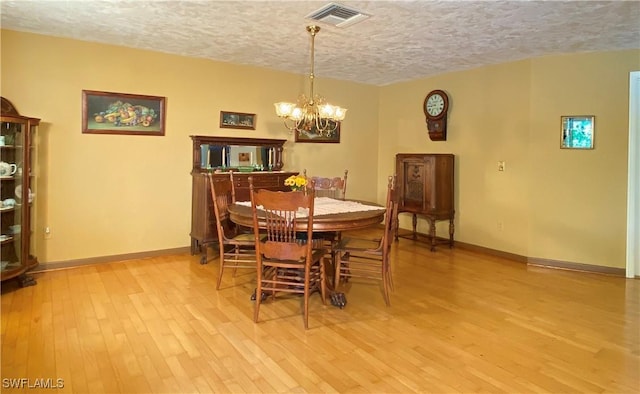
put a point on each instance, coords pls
(459, 322)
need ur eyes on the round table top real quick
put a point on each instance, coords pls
(241, 214)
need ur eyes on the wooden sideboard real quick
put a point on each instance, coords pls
(264, 165)
(426, 189)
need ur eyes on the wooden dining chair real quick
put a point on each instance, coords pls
(369, 259)
(286, 264)
(333, 187)
(237, 249)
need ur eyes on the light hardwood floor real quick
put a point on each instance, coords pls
(459, 322)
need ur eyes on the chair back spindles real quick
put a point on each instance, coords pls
(333, 187)
(285, 263)
(235, 249)
(370, 259)
(391, 212)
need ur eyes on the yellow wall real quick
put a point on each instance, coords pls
(107, 194)
(579, 198)
(553, 203)
(113, 194)
(488, 121)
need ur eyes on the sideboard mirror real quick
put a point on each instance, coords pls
(236, 154)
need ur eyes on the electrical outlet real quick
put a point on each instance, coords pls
(47, 232)
(500, 225)
(501, 165)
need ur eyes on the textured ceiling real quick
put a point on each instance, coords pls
(403, 40)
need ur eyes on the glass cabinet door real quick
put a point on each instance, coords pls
(30, 172)
(12, 144)
(17, 185)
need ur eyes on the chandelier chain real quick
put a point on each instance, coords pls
(311, 115)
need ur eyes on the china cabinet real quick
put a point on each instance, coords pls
(426, 190)
(18, 144)
(256, 157)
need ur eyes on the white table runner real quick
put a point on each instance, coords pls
(328, 206)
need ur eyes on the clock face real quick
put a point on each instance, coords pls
(434, 105)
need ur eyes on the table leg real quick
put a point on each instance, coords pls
(432, 234)
(451, 230)
(415, 226)
(338, 299)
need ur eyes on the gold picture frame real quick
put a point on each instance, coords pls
(577, 132)
(122, 113)
(313, 135)
(237, 120)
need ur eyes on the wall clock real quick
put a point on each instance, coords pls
(435, 107)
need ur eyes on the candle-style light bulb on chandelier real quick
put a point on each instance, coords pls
(312, 114)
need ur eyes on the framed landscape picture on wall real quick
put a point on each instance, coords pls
(237, 120)
(312, 135)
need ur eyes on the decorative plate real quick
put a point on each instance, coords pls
(19, 193)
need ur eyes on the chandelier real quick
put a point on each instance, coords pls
(311, 115)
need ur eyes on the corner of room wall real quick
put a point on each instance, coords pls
(549, 203)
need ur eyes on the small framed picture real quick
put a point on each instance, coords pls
(331, 136)
(237, 120)
(577, 132)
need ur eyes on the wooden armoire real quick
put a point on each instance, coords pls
(425, 189)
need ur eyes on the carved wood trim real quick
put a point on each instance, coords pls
(7, 108)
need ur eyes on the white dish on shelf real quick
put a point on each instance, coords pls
(19, 193)
(5, 237)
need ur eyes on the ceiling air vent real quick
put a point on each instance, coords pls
(337, 15)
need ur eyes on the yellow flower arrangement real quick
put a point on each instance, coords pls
(296, 182)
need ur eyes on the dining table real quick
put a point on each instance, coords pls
(330, 215)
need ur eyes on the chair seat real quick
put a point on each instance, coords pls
(245, 238)
(316, 255)
(358, 245)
